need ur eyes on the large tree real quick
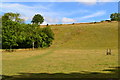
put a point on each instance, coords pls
(115, 17)
(37, 19)
(9, 34)
(32, 34)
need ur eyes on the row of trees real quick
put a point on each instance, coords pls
(17, 34)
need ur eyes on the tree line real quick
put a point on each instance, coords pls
(16, 34)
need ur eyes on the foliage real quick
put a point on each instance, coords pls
(17, 35)
(49, 35)
(37, 19)
(9, 34)
(115, 17)
(12, 17)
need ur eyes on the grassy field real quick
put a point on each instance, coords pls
(78, 51)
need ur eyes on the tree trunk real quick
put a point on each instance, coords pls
(10, 48)
(33, 44)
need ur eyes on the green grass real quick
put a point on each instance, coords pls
(86, 36)
(78, 51)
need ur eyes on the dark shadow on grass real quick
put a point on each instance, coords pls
(84, 75)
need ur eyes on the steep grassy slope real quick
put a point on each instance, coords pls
(86, 36)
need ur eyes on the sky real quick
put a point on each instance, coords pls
(63, 12)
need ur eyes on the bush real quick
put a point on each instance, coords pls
(48, 36)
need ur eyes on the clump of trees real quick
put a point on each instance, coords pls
(17, 34)
(115, 17)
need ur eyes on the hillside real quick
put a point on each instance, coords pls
(78, 51)
(86, 36)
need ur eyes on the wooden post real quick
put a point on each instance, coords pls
(10, 48)
(33, 44)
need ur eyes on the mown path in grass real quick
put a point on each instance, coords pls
(22, 62)
(61, 61)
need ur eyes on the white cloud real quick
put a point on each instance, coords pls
(51, 20)
(25, 18)
(100, 13)
(67, 20)
(89, 0)
(23, 9)
(85, 0)
(60, 0)
(108, 0)
(44, 23)
(27, 12)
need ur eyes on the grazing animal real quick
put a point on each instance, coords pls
(108, 52)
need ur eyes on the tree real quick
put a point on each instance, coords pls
(12, 17)
(31, 31)
(0, 33)
(37, 19)
(9, 34)
(48, 36)
(115, 17)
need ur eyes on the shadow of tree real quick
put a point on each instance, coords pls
(84, 75)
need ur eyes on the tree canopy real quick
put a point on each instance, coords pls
(20, 35)
(37, 19)
(115, 17)
(12, 17)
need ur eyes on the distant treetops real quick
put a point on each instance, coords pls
(37, 19)
(17, 34)
(12, 17)
(115, 17)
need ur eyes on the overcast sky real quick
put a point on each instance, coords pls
(62, 12)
